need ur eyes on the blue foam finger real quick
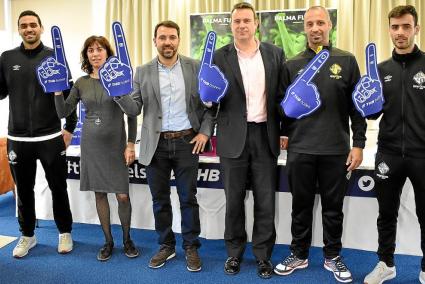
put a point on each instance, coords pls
(313, 66)
(207, 57)
(212, 84)
(116, 77)
(116, 74)
(120, 43)
(58, 45)
(367, 95)
(372, 64)
(53, 73)
(302, 97)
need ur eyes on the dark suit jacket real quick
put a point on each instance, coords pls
(231, 117)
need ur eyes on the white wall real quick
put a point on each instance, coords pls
(77, 19)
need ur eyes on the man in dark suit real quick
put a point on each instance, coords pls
(176, 127)
(248, 137)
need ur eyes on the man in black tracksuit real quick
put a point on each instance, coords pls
(319, 154)
(401, 139)
(34, 132)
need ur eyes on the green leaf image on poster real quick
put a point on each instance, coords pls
(201, 24)
(286, 29)
(282, 28)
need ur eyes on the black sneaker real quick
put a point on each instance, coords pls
(289, 264)
(130, 249)
(193, 261)
(105, 252)
(165, 253)
(232, 265)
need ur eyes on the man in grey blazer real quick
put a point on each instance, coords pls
(176, 128)
(248, 130)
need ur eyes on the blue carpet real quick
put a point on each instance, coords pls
(44, 265)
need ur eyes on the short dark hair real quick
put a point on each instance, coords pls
(103, 42)
(402, 10)
(168, 24)
(244, 5)
(30, 13)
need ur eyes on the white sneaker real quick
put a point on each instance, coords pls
(422, 277)
(381, 273)
(23, 246)
(65, 243)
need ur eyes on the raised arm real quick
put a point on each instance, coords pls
(66, 108)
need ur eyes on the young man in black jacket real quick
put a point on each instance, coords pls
(401, 139)
(319, 153)
(34, 132)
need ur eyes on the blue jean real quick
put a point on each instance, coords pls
(175, 154)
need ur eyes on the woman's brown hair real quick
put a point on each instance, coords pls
(103, 42)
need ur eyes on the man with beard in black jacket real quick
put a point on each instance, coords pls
(34, 132)
(401, 139)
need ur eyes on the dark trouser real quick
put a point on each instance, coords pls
(389, 181)
(306, 173)
(23, 164)
(259, 164)
(175, 154)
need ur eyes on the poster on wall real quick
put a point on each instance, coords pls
(284, 28)
(201, 24)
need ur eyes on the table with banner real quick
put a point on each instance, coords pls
(360, 206)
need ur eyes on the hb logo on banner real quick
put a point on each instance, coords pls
(212, 83)
(52, 72)
(367, 95)
(302, 97)
(116, 74)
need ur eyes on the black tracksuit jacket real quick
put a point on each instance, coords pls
(326, 131)
(402, 127)
(32, 112)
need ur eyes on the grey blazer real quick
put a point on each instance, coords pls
(146, 94)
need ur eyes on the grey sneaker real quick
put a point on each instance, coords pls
(289, 264)
(380, 273)
(422, 277)
(165, 253)
(23, 246)
(339, 269)
(65, 244)
(193, 261)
